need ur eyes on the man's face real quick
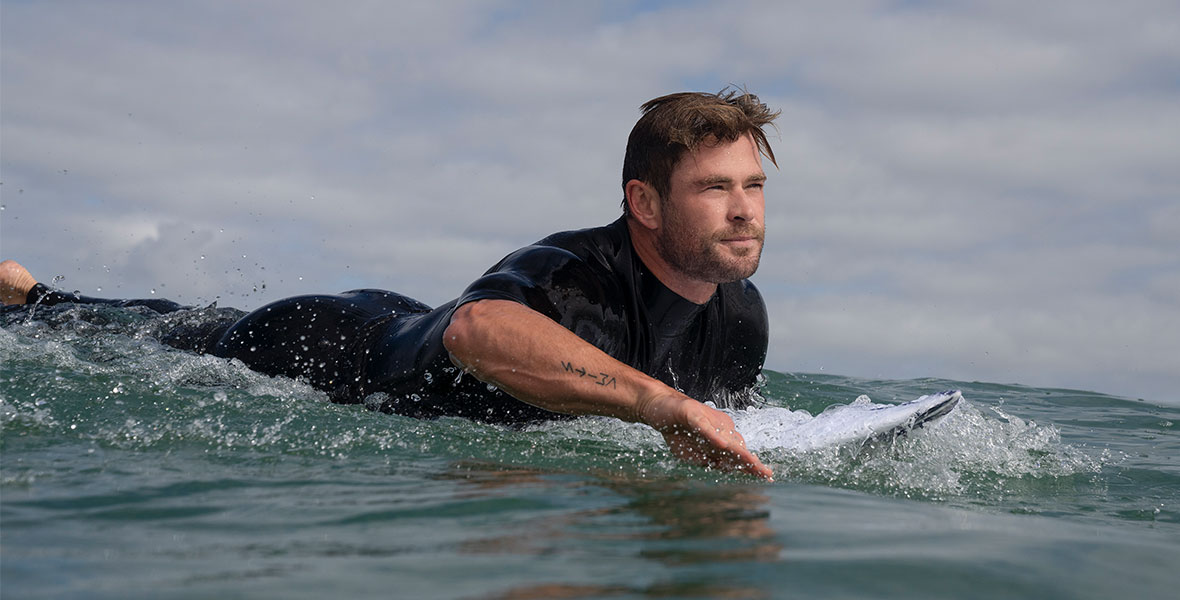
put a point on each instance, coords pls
(712, 220)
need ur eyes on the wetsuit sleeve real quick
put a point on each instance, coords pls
(558, 284)
(544, 278)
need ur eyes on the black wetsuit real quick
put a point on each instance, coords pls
(386, 350)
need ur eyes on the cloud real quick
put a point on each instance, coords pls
(975, 190)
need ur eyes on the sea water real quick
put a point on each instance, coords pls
(132, 470)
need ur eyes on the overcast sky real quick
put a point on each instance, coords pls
(972, 190)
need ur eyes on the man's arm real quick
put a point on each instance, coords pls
(538, 361)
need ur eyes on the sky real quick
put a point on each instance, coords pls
(979, 191)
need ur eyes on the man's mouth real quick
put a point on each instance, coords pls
(742, 238)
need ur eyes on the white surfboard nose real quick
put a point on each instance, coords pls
(859, 423)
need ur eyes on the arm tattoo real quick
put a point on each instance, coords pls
(603, 379)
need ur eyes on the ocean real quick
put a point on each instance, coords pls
(132, 470)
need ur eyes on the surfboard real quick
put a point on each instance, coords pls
(858, 424)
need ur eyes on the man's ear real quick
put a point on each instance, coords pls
(644, 203)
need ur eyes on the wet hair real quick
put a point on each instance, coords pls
(678, 123)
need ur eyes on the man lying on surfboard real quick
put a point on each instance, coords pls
(642, 319)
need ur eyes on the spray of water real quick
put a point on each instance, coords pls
(97, 374)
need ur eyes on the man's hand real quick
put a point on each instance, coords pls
(701, 435)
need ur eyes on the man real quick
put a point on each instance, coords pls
(640, 320)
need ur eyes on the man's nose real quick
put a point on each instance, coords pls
(745, 205)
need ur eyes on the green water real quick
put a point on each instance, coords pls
(129, 470)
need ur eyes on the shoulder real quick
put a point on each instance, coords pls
(563, 265)
(600, 250)
(595, 243)
(743, 312)
(746, 336)
(743, 296)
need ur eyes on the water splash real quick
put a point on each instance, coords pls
(114, 385)
(967, 452)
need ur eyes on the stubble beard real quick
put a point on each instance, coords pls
(703, 256)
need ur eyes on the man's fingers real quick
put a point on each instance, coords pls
(733, 446)
(706, 436)
(721, 449)
(721, 434)
(748, 462)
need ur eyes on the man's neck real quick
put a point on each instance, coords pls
(643, 240)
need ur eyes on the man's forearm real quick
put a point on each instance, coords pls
(538, 361)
